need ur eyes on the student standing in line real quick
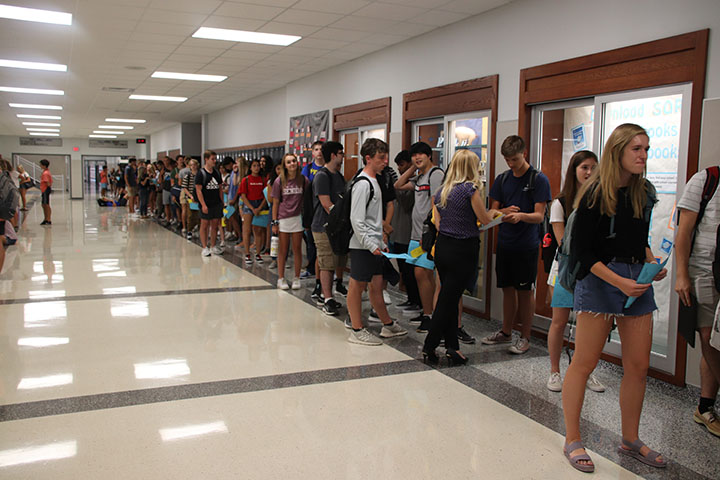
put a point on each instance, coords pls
(367, 245)
(131, 178)
(425, 179)
(694, 284)
(579, 169)
(251, 191)
(523, 201)
(103, 180)
(400, 236)
(309, 172)
(610, 237)
(208, 189)
(287, 194)
(46, 182)
(143, 190)
(327, 187)
(458, 207)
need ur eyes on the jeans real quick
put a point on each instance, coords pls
(311, 251)
(455, 261)
(144, 194)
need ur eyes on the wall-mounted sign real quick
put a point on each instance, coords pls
(41, 141)
(305, 130)
(102, 143)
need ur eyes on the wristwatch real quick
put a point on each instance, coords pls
(275, 222)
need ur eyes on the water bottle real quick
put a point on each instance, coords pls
(274, 241)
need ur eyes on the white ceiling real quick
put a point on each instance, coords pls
(108, 36)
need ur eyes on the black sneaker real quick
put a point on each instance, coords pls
(320, 301)
(413, 309)
(317, 292)
(424, 325)
(373, 314)
(405, 305)
(418, 320)
(465, 337)
(331, 307)
(340, 288)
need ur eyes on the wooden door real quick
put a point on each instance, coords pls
(352, 157)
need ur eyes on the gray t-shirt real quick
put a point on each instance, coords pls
(426, 186)
(325, 183)
(366, 218)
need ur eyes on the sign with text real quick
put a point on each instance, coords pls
(104, 143)
(41, 141)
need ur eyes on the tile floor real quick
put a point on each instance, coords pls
(125, 354)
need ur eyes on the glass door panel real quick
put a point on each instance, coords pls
(373, 131)
(665, 114)
(432, 132)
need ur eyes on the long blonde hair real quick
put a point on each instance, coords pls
(464, 167)
(283, 169)
(604, 183)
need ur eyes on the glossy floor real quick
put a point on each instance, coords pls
(125, 354)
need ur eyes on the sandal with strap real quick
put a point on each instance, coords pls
(575, 461)
(633, 450)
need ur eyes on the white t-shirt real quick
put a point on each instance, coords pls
(557, 213)
(703, 252)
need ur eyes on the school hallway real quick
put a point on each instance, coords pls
(125, 354)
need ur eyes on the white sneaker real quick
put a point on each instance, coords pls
(520, 346)
(282, 284)
(217, 250)
(554, 383)
(296, 284)
(392, 330)
(363, 337)
(206, 252)
(594, 384)
(386, 298)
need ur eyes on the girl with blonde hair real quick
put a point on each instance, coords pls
(458, 206)
(611, 238)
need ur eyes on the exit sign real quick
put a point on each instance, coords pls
(140, 140)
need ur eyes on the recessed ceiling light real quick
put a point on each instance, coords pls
(245, 36)
(102, 136)
(43, 134)
(32, 105)
(35, 129)
(125, 120)
(53, 67)
(117, 127)
(158, 98)
(115, 132)
(37, 91)
(189, 76)
(35, 15)
(39, 117)
(41, 124)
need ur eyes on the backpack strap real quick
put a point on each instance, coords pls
(711, 184)
(356, 179)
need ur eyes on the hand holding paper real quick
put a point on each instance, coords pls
(496, 221)
(647, 274)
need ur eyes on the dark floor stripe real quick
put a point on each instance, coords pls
(161, 293)
(147, 396)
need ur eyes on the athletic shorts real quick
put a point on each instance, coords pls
(516, 268)
(103, 186)
(45, 197)
(214, 212)
(364, 265)
(594, 295)
(166, 197)
(421, 261)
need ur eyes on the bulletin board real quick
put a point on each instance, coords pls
(305, 130)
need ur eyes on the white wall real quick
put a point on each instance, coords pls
(164, 140)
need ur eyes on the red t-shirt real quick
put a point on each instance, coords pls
(252, 186)
(45, 180)
(103, 176)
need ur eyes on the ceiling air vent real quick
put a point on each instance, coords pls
(118, 89)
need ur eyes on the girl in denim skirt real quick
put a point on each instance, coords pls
(611, 236)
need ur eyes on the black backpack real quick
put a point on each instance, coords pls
(9, 197)
(338, 227)
(309, 206)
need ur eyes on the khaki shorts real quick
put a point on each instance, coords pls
(132, 191)
(704, 293)
(327, 260)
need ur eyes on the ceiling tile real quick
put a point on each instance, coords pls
(388, 11)
(245, 10)
(156, 38)
(365, 24)
(472, 7)
(209, 53)
(289, 29)
(192, 6)
(332, 6)
(438, 18)
(235, 23)
(165, 28)
(385, 39)
(339, 34)
(173, 16)
(305, 17)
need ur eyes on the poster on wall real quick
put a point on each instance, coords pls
(305, 130)
(96, 143)
(41, 141)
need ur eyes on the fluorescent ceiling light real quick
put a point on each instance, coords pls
(244, 36)
(190, 76)
(37, 91)
(125, 120)
(106, 132)
(116, 127)
(43, 134)
(40, 117)
(41, 124)
(53, 67)
(159, 98)
(103, 136)
(35, 15)
(32, 105)
(33, 129)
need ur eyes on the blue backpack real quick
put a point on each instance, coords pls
(567, 254)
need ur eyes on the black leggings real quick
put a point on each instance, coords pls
(455, 261)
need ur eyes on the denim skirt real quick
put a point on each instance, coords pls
(594, 295)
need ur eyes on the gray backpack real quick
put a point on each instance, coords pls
(9, 197)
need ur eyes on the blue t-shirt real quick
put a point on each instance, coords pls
(131, 176)
(310, 170)
(514, 191)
